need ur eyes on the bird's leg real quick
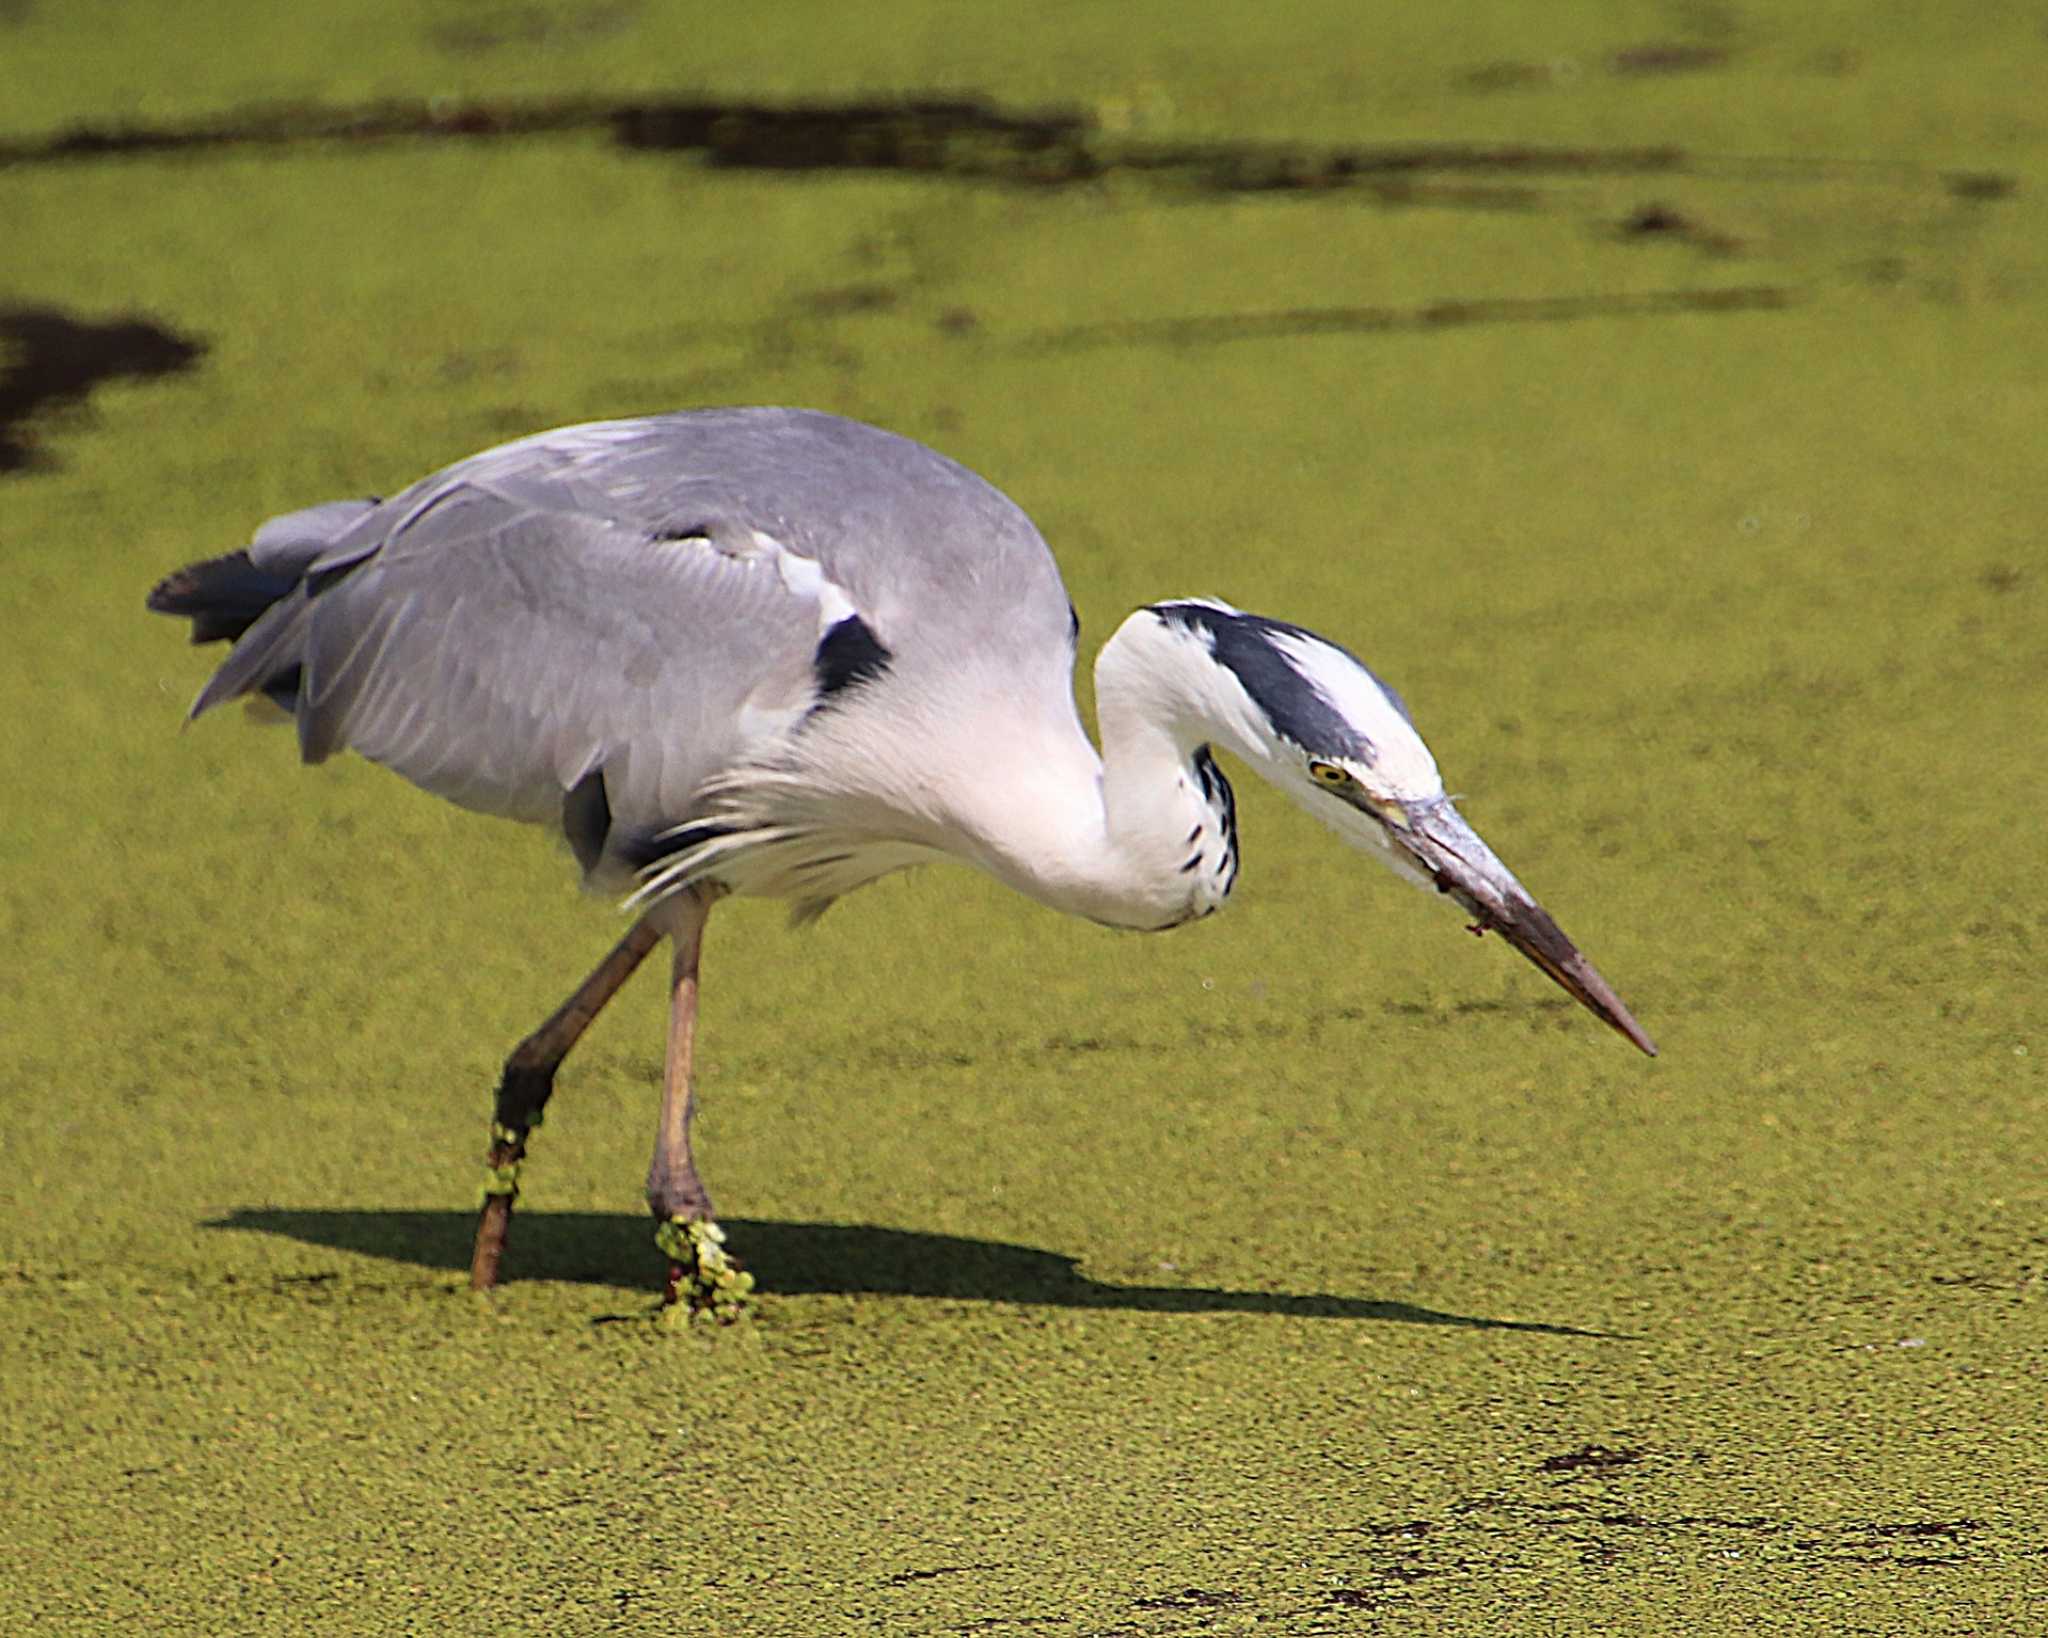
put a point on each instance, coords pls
(524, 1088)
(702, 1278)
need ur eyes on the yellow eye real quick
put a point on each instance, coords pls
(1330, 774)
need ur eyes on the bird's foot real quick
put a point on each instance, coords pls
(704, 1280)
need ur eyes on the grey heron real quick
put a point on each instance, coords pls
(775, 652)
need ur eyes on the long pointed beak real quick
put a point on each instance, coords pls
(1462, 865)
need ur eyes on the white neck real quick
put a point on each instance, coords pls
(1131, 838)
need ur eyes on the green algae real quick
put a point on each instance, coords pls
(705, 1283)
(1315, 1270)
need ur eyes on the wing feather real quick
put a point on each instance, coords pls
(495, 656)
(647, 600)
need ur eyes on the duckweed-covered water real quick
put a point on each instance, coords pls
(1671, 437)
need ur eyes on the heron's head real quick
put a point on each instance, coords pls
(1311, 717)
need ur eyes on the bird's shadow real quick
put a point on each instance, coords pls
(811, 1259)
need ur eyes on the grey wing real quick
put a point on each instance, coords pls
(651, 599)
(498, 653)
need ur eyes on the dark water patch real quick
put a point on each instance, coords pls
(1654, 58)
(1980, 184)
(1513, 76)
(293, 124)
(50, 359)
(1667, 57)
(970, 139)
(962, 136)
(851, 298)
(1921, 1529)
(1213, 329)
(1599, 1459)
(823, 1259)
(1658, 220)
(909, 1578)
(1497, 1531)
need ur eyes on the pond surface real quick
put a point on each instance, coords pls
(1652, 394)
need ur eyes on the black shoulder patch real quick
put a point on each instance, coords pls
(847, 655)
